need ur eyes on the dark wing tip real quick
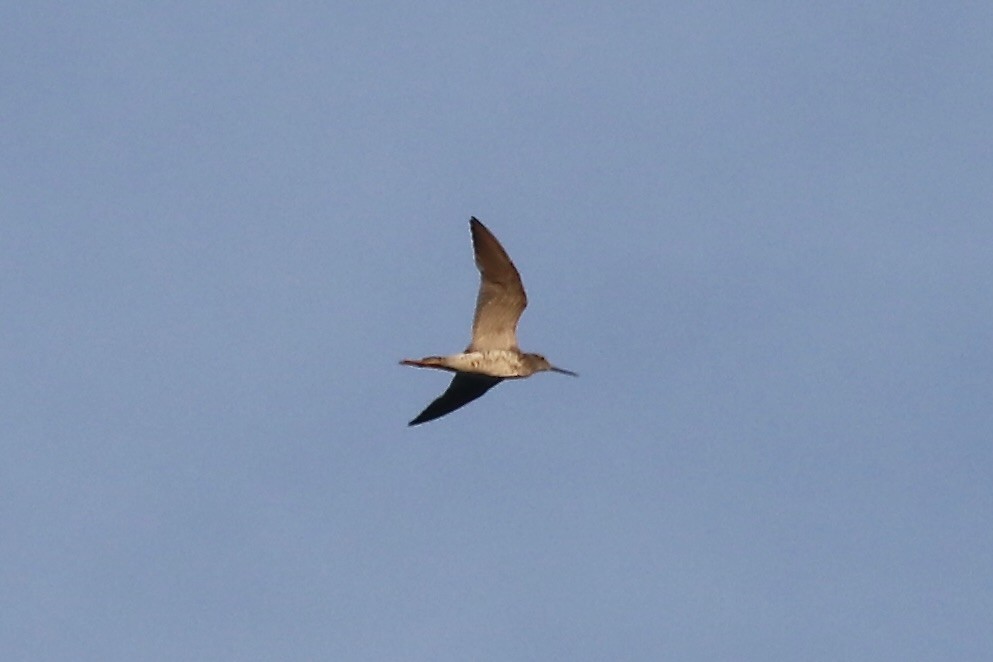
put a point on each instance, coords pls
(476, 226)
(417, 421)
(488, 248)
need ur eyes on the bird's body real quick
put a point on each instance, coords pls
(493, 355)
(502, 363)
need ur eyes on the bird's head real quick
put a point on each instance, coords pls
(541, 364)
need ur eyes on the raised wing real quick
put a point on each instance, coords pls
(501, 298)
(465, 388)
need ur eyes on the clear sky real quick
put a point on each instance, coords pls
(760, 232)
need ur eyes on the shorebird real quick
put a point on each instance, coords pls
(493, 355)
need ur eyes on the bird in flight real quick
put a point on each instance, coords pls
(493, 355)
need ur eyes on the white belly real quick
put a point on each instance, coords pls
(495, 363)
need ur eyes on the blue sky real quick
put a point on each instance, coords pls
(760, 233)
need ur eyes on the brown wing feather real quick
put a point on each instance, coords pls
(501, 298)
